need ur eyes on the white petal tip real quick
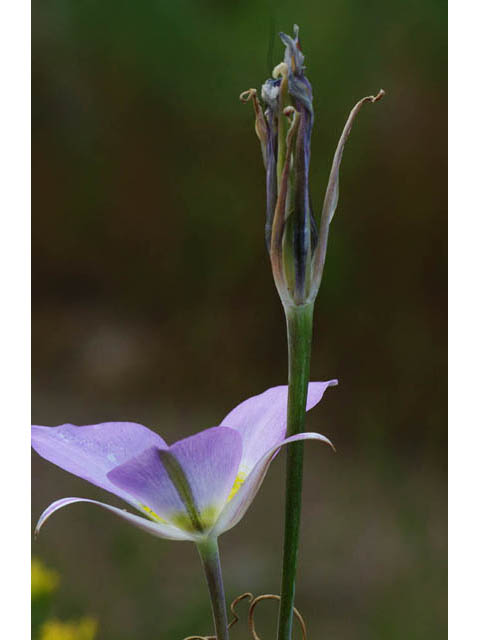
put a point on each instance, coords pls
(38, 527)
(327, 441)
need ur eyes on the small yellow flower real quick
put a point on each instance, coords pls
(44, 581)
(84, 629)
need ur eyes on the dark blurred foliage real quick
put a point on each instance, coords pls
(153, 298)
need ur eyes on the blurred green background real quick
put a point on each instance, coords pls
(153, 299)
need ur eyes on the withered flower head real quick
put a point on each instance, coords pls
(284, 127)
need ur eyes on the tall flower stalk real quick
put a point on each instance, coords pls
(210, 557)
(297, 249)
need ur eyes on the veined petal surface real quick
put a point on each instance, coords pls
(238, 505)
(157, 529)
(91, 451)
(262, 420)
(187, 484)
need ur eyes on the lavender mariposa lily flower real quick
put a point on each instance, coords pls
(195, 489)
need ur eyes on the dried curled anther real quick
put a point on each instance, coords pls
(269, 596)
(247, 95)
(289, 111)
(379, 96)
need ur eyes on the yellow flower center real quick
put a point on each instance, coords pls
(208, 515)
(152, 514)
(239, 480)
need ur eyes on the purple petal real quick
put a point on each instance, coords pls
(189, 483)
(90, 452)
(331, 194)
(262, 419)
(157, 529)
(238, 505)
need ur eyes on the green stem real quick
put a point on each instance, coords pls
(210, 557)
(299, 329)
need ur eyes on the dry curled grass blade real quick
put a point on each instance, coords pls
(270, 596)
(251, 618)
(234, 604)
(232, 622)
